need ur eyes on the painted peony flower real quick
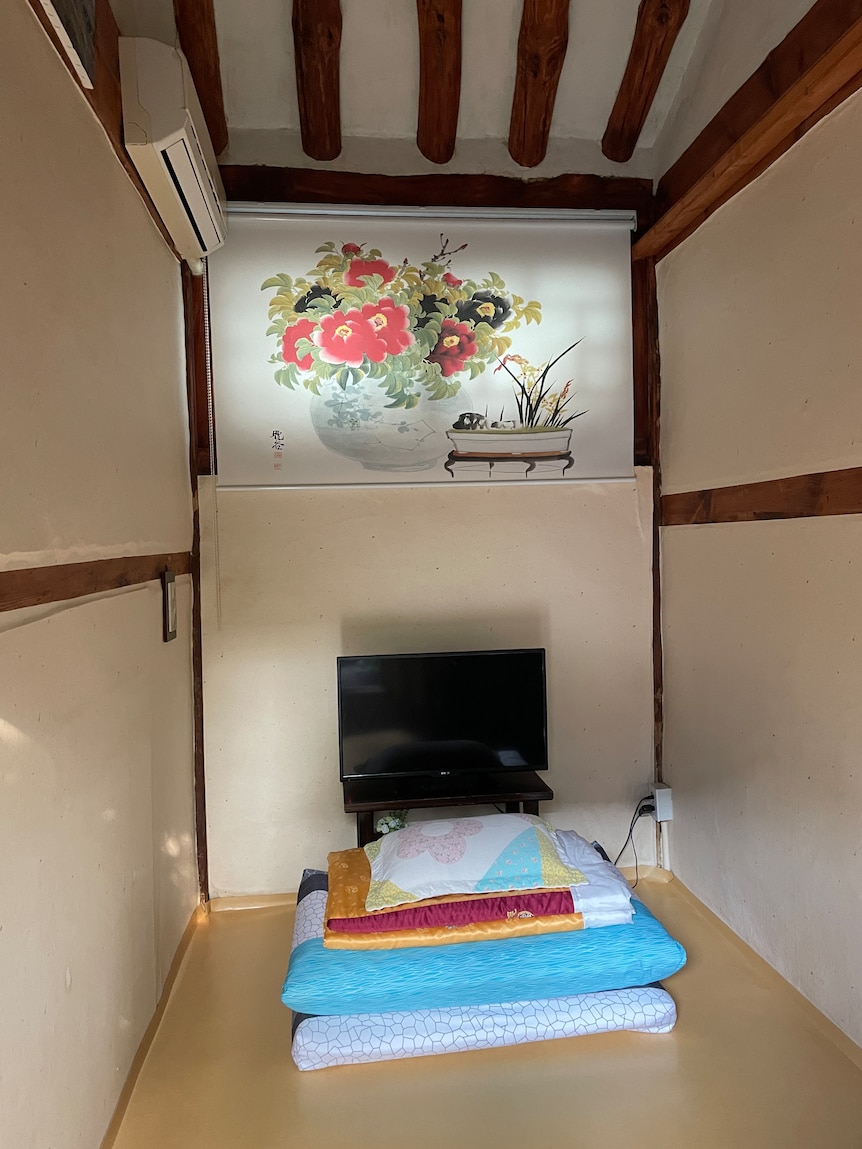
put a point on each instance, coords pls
(390, 323)
(348, 338)
(408, 328)
(455, 345)
(302, 329)
(485, 307)
(358, 270)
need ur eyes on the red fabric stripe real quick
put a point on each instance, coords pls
(533, 903)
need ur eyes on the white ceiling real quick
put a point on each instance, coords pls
(721, 43)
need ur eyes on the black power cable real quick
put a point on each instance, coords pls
(645, 806)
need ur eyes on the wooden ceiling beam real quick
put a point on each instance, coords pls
(260, 184)
(816, 66)
(317, 52)
(658, 25)
(439, 77)
(196, 29)
(542, 44)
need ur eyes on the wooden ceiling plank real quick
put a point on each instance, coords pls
(439, 77)
(196, 29)
(800, 81)
(317, 51)
(656, 30)
(260, 184)
(796, 497)
(542, 44)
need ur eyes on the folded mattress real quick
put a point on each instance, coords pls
(348, 1039)
(331, 982)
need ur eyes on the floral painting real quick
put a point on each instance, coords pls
(409, 328)
(402, 353)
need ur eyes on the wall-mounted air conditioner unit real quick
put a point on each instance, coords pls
(168, 142)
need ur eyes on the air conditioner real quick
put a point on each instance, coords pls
(168, 142)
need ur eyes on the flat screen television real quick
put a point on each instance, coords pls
(437, 714)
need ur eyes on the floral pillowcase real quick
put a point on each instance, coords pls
(466, 856)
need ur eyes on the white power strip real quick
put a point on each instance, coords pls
(663, 800)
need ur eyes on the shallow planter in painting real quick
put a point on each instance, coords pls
(532, 442)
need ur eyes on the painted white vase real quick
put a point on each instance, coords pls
(357, 423)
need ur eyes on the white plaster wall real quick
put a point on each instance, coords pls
(761, 354)
(760, 336)
(90, 923)
(763, 729)
(93, 417)
(96, 774)
(299, 577)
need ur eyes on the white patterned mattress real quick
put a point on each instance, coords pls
(347, 1039)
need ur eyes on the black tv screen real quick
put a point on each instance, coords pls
(456, 713)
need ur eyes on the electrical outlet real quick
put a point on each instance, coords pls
(663, 802)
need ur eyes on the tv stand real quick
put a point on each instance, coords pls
(513, 789)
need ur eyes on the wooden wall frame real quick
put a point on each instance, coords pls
(796, 497)
(262, 184)
(197, 373)
(61, 582)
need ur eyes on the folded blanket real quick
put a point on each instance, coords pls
(434, 921)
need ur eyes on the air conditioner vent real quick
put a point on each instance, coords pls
(167, 140)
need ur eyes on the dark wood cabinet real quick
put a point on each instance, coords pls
(515, 790)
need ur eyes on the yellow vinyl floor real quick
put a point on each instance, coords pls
(750, 1065)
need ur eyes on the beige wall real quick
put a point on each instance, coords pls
(300, 577)
(760, 338)
(93, 388)
(96, 818)
(98, 861)
(761, 354)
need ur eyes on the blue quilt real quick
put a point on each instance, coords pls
(329, 981)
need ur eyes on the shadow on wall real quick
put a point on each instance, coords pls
(407, 634)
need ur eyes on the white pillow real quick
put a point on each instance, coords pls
(466, 856)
